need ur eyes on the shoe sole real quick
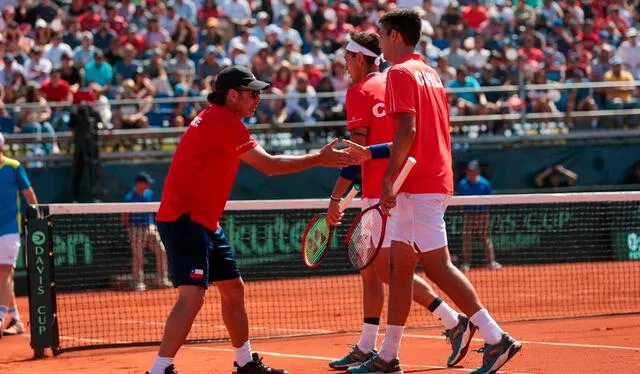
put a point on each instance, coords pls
(465, 347)
(515, 348)
(345, 367)
(380, 372)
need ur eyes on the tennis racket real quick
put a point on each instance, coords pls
(316, 240)
(366, 235)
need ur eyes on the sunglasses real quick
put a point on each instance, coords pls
(255, 94)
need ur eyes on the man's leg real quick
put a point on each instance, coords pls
(6, 273)
(499, 347)
(155, 244)
(9, 249)
(178, 325)
(136, 237)
(235, 318)
(467, 241)
(372, 304)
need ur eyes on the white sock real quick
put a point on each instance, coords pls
(391, 343)
(160, 364)
(243, 354)
(447, 315)
(487, 327)
(368, 337)
(13, 312)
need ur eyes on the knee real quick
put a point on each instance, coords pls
(233, 292)
(375, 273)
(191, 299)
(6, 271)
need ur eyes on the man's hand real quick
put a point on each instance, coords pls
(331, 157)
(361, 153)
(334, 216)
(387, 197)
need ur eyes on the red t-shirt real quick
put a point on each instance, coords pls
(414, 87)
(58, 93)
(204, 167)
(365, 108)
(474, 17)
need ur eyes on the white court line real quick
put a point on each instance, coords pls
(307, 331)
(578, 345)
(326, 359)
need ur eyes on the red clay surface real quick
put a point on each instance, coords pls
(576, 345)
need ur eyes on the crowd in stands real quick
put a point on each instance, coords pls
(98, 50)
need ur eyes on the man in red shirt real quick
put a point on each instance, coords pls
(417, 103)
(368, 124)
(196, 190)
(56, 89)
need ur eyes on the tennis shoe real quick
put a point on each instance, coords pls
(496, 355)
(16, 327)
(460, 338)
(376, 365)
(353, 358)
(168, 370)
(1, 327)
(256, 367)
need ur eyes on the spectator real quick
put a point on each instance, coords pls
(180, 68)
(272, 110)
(37, 67)
(238, 11)
(620, 97)
(99, 71)
(155, 35)
(127, 67)
(634, 175)
(56, 48)
(476, 217)
(9, 69)
(556, 176)
(35, 118)
(69, 72)
(184, 34)
(466, 102)
(474, 15)
(186, 9)
(131, 116)
(581, 99)
(629, 52)
(144, 234)
(303, 109)
(85, 52)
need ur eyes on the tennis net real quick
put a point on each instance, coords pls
(563, 255)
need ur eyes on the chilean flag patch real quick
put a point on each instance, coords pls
(196, 274)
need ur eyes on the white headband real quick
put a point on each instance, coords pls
(354, 47)
(1, 140)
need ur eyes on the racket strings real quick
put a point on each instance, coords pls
(316, 241)
(365, 239)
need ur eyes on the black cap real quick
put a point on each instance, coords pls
(144, 177)
(238, 76)
(473, 165)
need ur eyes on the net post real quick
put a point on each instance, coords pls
(38, 238)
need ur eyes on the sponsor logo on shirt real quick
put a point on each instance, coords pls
(378, 110)
(196, 121)
(244, 144)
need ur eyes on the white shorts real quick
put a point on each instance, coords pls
(9, 248)
(418, 220)
(369, 202)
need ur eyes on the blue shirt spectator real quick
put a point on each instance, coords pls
(98, 71)
(141, 193)
(465, 82)
(474, 184)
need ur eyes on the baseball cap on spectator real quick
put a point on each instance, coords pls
(144, 177)
(210, 49)
(40, 23)
(271, 29)
(212, 22)
(8, 57)
(631, 32)
(181, 49)
(307, 60)
(473, 165)
(616, 61)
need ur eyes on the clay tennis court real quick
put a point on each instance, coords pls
(554, 345)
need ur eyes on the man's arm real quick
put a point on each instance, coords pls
(358, 136)
(30, 195)
(572, 177)
(540, 178)
(285, 164)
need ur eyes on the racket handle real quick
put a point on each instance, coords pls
(411, 162)
(344, 204)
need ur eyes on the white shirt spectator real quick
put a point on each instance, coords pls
(237, 10)
(630, 54)
(31, 69)
(185, 9)
(168, 23)
(290, 34)
(478, 58)
(83, 56)
(252, 45)
(156, 37)
(505, 15)
(320, 59)
(295, 106)
(440, 6)
(55, 52)
(6, 75)
(409, 4)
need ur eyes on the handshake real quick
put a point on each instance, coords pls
(353, 154)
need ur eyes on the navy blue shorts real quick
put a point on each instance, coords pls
(196, 255)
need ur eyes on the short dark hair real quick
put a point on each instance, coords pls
(217, 97)
(370, 41)
(407, 22)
